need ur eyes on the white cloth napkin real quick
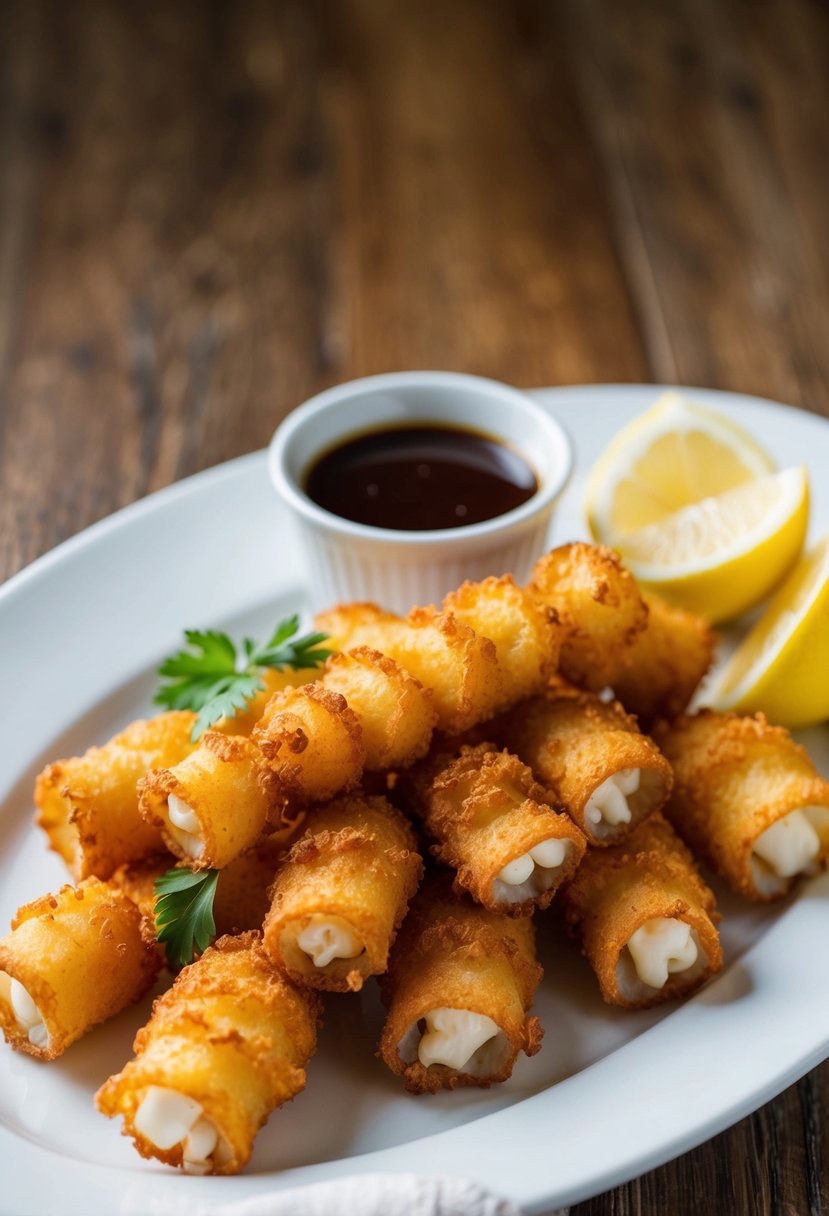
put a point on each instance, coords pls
(375, 1195)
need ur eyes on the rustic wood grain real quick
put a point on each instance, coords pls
(274, 203)
(711, 123)
(210, 210)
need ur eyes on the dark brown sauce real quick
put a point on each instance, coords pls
(420, 478)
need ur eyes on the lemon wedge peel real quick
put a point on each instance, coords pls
(781, 665)
(722, 556)
(674, 454)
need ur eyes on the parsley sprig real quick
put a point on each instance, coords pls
(213, 676)
(184, 913)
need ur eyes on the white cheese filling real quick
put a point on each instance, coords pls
(166, 1118)
(609, 802)
(548, 854)
(453, 1036)
(531, 873)
(328, 937)
(662, 947)
(789, 847)
(185, 828)
(26, 1013)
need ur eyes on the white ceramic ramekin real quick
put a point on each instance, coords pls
(351, 561)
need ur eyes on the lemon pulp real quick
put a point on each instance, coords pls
(721, 556)
(674, 454)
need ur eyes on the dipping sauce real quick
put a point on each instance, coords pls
(420, 478)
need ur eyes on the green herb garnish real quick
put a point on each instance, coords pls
(184, 913)
(211, 676)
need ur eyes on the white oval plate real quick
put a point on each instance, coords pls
(611, 1094)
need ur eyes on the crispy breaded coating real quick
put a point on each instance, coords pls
(396, 713)
(233, 1036)
(349, 877)
(437, 648)
(453, 955)
(735, 778)
(88, 806)
(137, 878)
(243, 891)
(526, 633)
(576, 744)
(81, 955)
(486, 812)
(229, 793)
(313, 742)
(662, 668)
(137, 881)
(618, 891)
(599, 605)
(291, 820)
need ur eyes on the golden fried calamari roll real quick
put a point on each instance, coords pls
(313, 742)
(225, 1046)
(747, 799)
(365, 712)
(339, 897)
(526, 633)
(275, 842)
(72, 960)
(460, 983)
(395, 712)
(242, 895)
(137, 880)
(88, 806)
(662, 668)
(215, 804)
(437, 648)
(495, 826)
(605, 774)
(599, 605)
(644, 917)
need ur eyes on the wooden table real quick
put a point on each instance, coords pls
(209, 211)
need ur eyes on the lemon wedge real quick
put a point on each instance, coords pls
(674, 454)
(781, 665)
(722, 555)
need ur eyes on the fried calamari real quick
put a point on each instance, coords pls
(312, 740)
(225, 1046)
(644, 917)
(526, 633)
(495, 827)
(437, 648)
(598, 604)
(395, 712)
(659, 672)
(88, 806)
(747, 799)
(216, 803)
(340, 895)
(590, 753)
(72, 960)
(460, 983)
